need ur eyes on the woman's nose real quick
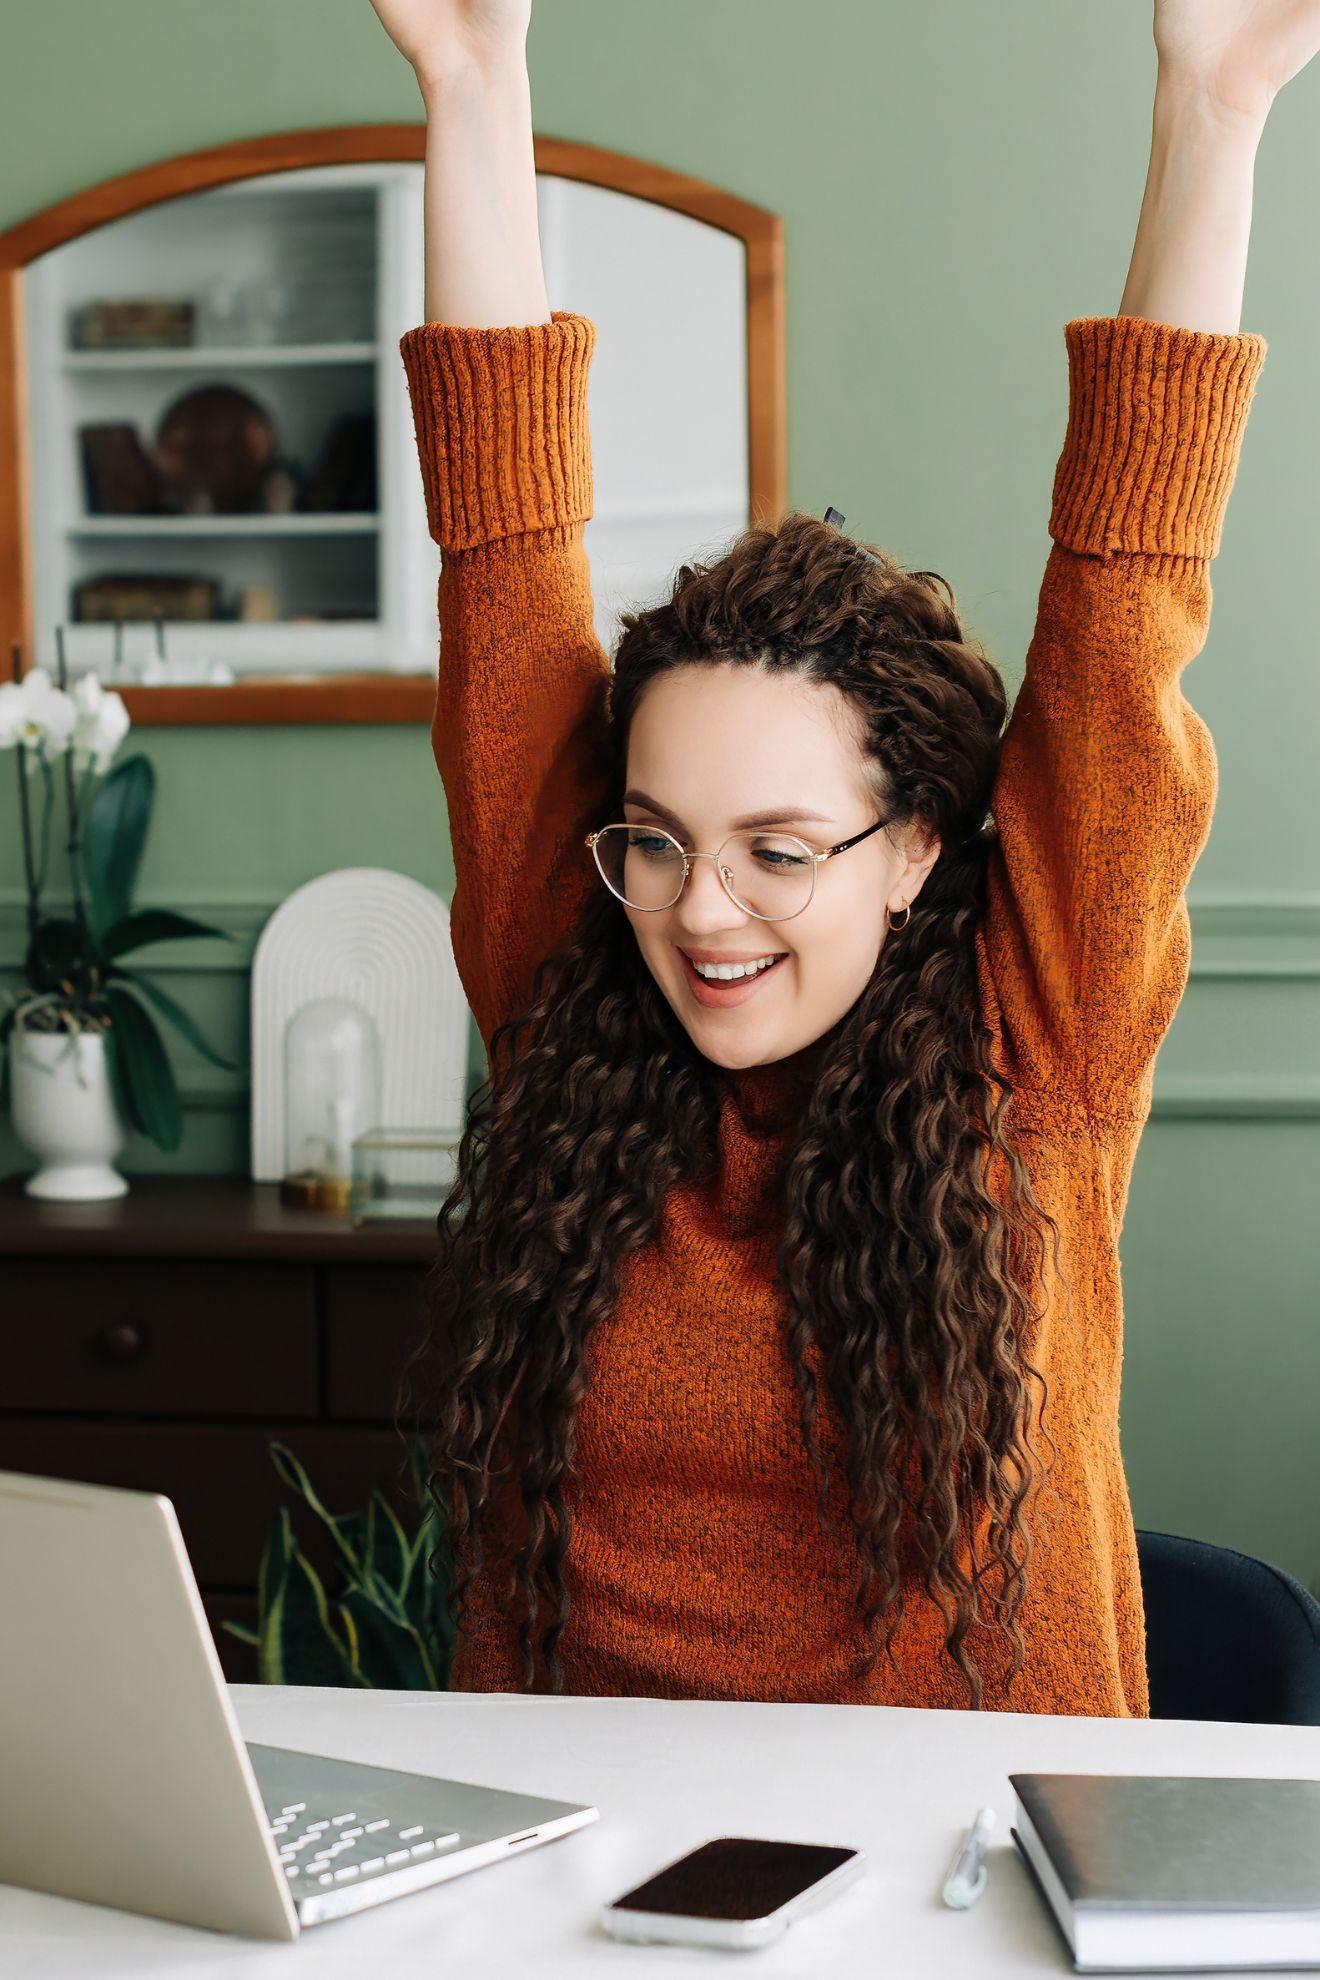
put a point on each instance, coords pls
(705, 899)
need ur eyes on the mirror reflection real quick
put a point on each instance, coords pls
(223, 467)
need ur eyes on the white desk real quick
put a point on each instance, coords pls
(902, 1785)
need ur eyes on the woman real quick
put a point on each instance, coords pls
(780, 1326)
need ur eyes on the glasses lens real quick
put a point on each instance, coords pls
(768, 873)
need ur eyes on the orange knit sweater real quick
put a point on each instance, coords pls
(698, 1566)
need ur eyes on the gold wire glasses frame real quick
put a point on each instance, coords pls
(689, 860)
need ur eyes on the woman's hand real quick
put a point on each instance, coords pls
(1236, 55)
(442, 38)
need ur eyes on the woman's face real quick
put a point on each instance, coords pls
(716, 746)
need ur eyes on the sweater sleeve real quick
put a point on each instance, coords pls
(1107, 776)
(500, 417)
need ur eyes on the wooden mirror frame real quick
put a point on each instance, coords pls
(355, 697)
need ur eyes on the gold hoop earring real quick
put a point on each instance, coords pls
(907, 916)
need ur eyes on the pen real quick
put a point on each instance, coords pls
(966, 1880)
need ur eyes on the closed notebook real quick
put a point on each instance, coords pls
(1175, 1872)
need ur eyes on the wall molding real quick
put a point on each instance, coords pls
(1255, 936)
(1235, 937)
(241, 916)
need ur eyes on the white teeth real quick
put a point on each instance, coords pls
(730, 972)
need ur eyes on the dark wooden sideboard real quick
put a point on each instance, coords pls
(163, 1339)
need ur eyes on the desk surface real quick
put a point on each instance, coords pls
(900, 1784)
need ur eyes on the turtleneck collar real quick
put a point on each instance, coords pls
(766, 1096)
(762, 1106)
(770, 1097)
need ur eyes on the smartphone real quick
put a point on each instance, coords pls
(734, 1891)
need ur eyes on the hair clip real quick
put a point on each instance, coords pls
(832, 516)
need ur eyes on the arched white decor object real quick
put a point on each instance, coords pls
(382, 940)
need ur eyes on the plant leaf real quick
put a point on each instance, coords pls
(354, 1642)
(387, 1545)
(297, 1480)
(274, 1563)
(271, 1576)
(418, 1465)
(123, 1092)
(299, 1644)
(168, 1007)
(353, 1531)
(375, 1587)
(134, 931)
(243, 1631)
(146, 1069)
(390, 1656)
(6, 1026)
(114, 835)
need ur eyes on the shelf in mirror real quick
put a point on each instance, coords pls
(195, 357)
(331, 523)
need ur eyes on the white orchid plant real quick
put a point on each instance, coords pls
(75, 980)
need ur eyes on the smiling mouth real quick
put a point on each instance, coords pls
(725, 987)
(714, 960)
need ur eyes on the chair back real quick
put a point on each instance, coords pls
(1227, 1636)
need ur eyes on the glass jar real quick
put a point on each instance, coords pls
(331, 1095)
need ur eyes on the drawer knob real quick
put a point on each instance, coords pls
(122, 1340)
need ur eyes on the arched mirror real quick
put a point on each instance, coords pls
(208, 479)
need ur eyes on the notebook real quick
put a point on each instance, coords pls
(1175, 1872)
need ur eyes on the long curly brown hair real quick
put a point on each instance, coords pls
(910, 1290)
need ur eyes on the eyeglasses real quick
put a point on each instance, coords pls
(771, 875)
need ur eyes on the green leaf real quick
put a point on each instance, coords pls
(135, 931)
(387, 1545)
(6, 1026)
(380, 1591)
(299, 1644)
(146, 1070)
(242, 1631)
(297, 1480)
(119, 1082)
(353, 1531)
(418, 1465)
(274, 1565)
(114, 836)
(390, 1656)
(167, 1007)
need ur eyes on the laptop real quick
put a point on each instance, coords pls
(125, 1780)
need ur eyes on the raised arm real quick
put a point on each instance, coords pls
(1107, 777)
(498, 385)
(483, 251)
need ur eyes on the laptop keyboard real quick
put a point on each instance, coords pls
(317, 1850)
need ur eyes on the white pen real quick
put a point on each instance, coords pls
(966, 1880)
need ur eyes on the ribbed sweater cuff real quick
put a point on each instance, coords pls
(501, 422)
(1155, 422)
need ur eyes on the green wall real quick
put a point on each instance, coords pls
(956, 181)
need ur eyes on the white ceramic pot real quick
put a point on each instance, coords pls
(64, 1112)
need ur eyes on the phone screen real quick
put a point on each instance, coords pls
(735, 1877)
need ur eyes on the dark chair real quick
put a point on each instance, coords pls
(1227, 1636)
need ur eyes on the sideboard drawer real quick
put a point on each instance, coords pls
(374, 1315)
(166, 1337)
(220, 1480)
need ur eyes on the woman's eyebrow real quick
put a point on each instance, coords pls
(786, 815)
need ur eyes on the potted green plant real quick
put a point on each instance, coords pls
(383, 1622)
(81, 1054)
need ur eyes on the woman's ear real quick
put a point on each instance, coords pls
(923, 848)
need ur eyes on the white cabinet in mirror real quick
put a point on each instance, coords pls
(245, 497)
